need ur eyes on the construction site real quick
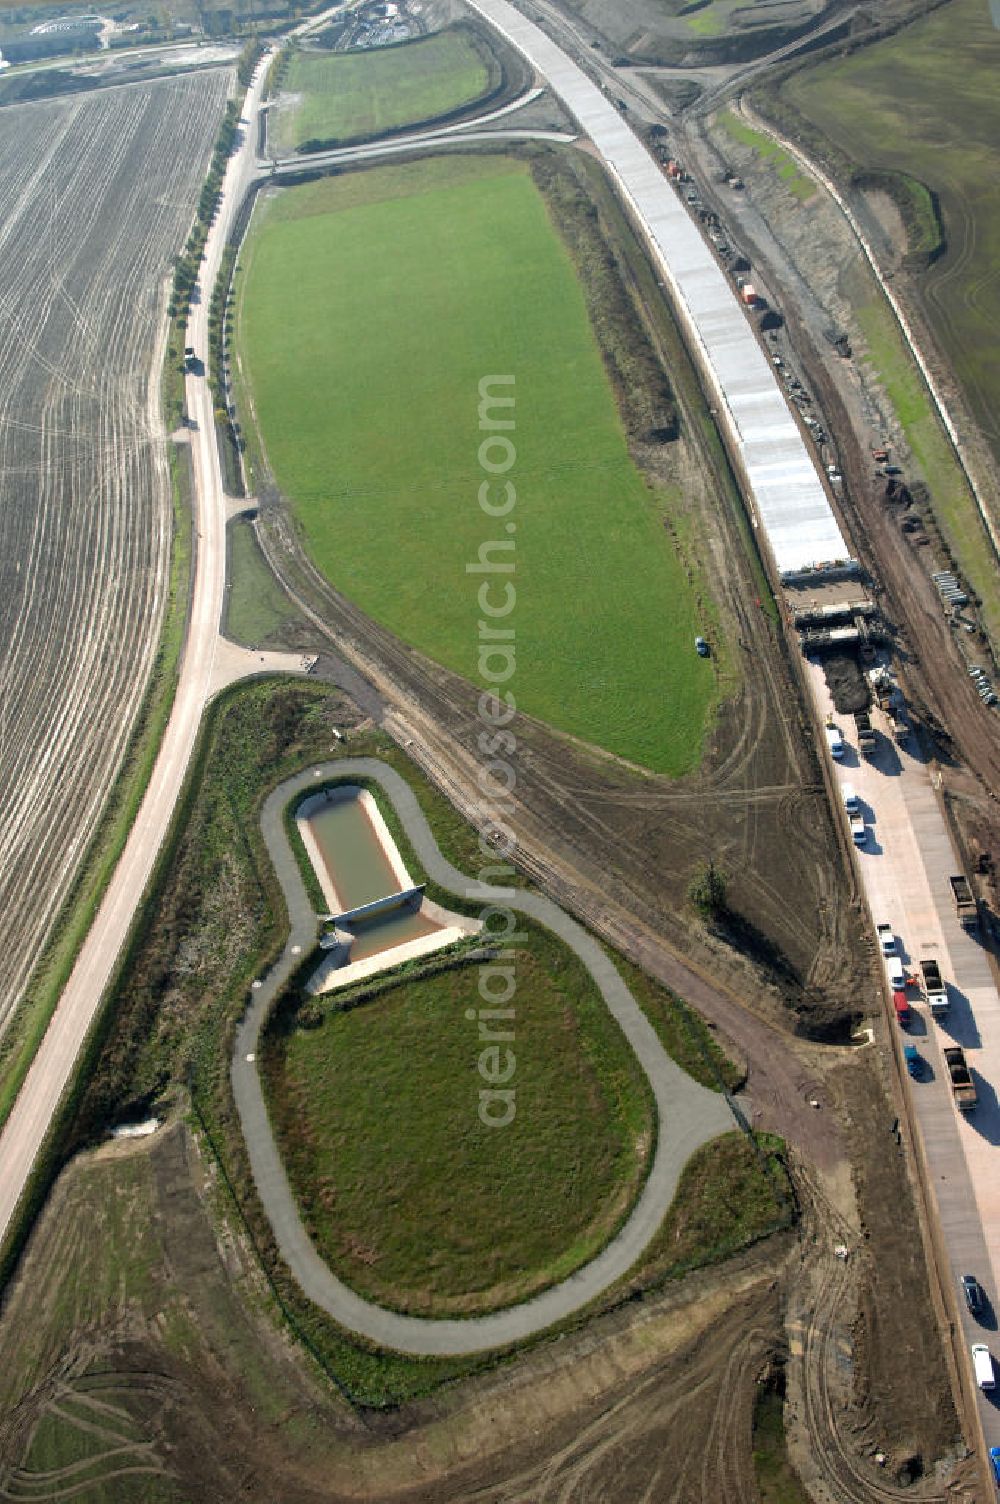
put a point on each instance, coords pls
(809, 1312)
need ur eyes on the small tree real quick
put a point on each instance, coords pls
(707, 891)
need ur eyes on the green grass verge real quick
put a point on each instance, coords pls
(256, 606)
(29, 1024)
(787, 169)
(683, 1033)
(706, 22)
(733, 1192)
(370, 449)
(422, 1206)
(351, 96)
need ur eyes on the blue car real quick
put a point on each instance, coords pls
(995, 1462)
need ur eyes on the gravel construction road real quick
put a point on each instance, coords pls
(688, 1114)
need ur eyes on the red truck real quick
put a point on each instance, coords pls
(902, 1007)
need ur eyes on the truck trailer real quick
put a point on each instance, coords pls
(866, 732)
(937, 994)
(962, 1085)
(965, 902)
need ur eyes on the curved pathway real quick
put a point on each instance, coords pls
(688, 1114)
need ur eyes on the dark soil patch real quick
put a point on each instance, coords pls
(846, 683)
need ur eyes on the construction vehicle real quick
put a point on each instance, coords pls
(886, 938)
(965, 902)
(883, 686)
(937, 994)
(962, 1085)
(866, 732)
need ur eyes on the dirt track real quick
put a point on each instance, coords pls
(171, 1370)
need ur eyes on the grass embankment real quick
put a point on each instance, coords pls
(951, 500)
(770, 153)
(683, 1033)
(256, 606)
(416, 1202)
(920, 111)
(215, 923)
(365, 391)
(732, 1192)
(353, 96)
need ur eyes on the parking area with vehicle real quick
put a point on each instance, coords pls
(905, 873)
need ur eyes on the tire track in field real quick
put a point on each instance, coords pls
(85, 511)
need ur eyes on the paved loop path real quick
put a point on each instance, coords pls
(688, 1114)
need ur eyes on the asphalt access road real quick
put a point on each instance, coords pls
(688, 1114)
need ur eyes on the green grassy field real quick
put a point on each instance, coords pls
(256, 606)
(370, 308)
(925, 102)
(409, 1196)
(350, 96)
(769, 151)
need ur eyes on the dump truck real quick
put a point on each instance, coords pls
(865, 729)
(962, 1085)
(937, 994)
(965, 902)
(883, 685)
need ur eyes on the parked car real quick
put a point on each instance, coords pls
(972, 1290)
(995, 1463)
(886, 938)
(701, 647)
(914, 1063)
(982, 1364)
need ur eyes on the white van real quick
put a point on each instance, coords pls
(834, 740)
(982, 1365)
(852, 803)
(896, 972)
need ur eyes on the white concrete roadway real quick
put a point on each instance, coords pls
(26, 1128)
(905, 868)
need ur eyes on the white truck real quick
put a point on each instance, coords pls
(859, 830)
(937, 993)
(982, 1364)
(886, 938)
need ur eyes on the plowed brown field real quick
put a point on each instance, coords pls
(98, 193)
